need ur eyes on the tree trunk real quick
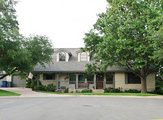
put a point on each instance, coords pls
(143, 85)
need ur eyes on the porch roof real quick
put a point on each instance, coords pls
(71, 66)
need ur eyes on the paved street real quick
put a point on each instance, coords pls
(80, 108)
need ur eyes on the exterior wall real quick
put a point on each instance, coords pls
(63, 79)
(91, 86)
(18, 82)
(120, 82)
(71, 87)
(109, 86)
(7, 78)
(151, 82)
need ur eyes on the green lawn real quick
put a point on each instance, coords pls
(120, 94)
(7, 93)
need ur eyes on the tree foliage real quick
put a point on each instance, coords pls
(158, 54)
(124, 36)
(18, 53)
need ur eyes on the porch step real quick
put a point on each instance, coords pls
(98, 91)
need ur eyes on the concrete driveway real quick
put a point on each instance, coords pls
(27, 92)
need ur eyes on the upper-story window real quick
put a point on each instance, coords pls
(62, 56)
(83, 56)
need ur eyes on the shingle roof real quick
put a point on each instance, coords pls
(71, 66)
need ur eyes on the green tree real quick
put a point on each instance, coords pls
(158, 55)
(17, 53)
(123, 36)
(158, 44)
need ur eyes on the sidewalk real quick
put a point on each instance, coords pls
(27, 92)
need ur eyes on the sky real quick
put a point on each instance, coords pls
(64, 21)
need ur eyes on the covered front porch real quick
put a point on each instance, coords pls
(75, 81)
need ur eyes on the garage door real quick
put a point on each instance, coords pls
(18, 82)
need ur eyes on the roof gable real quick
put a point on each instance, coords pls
(63, 50)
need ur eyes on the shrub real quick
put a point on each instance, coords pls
(111, 90)
(116, 90)
(66, 90)
(33, 84)
(60, 91)
(39, 87)
(132, 91)
(28, 83)
(50, 87)
(86, 91)
(107, 90)
(63, 87)
(78, 91)
(158, 90)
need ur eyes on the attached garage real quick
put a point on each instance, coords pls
(18, 82)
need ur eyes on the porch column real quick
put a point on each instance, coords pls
(38, 77)
(77, 81)
(104, 83)
(85, 80)
(114, 81)
(57, 81)
(94, 81)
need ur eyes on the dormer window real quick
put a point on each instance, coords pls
(62, 56)
(83, 56)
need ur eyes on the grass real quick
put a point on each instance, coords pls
(115, 94)
(7, 93)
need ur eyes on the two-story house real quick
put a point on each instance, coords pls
(67, 69)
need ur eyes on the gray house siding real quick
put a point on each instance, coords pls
(18, 82)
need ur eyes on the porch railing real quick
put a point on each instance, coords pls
(72, 82)
(83, 85)
(90, 82)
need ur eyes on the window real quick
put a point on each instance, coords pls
(62, 56)
(100, 77)
(109, 78)
(48, 76)
(81, 78)
(90, 79)
(83, 56)
(72, 78)
(132, 79)
(92, 57)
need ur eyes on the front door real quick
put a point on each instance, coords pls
(99, 81)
